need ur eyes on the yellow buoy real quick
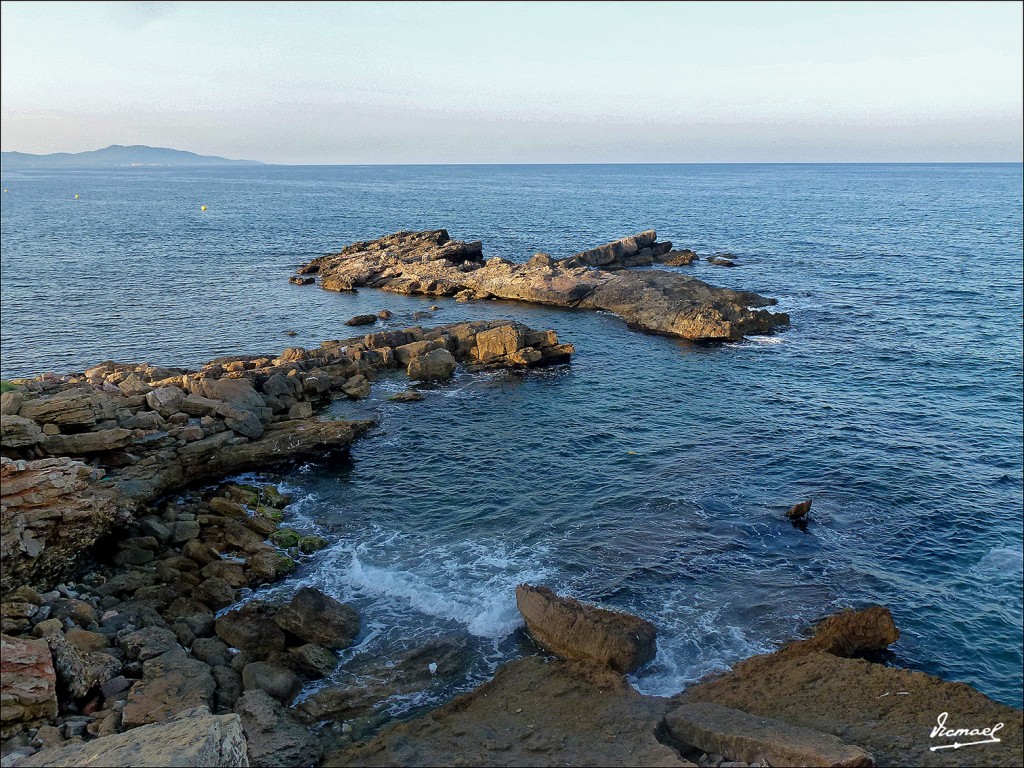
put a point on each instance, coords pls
(202, 207)
(5, 189)
(76, 197)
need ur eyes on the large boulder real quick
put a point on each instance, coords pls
(280, 683)
(28, 684)
(193, 739)
(575, 630)
(744, 738)
(85, 443)
(272, 735)
(80, 407)
(53, 510)
(19, 432)
(436, 365)
(251, 628)
(316, 618)
(852, 633)
(80, 673)
(166, 401)
(170, 684)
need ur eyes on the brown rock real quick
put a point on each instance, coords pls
(574, 630)
(272, 735)
(280, 683)
(28, 684)
(166, 401)
(738, 736)
(193, 739)
(19, 432)
(316, 618)
(852, 633)
(362, 320)
(251, 628)
(436, 365)
(85, 443)
(799, 511)
(171, 684)
(681, 258)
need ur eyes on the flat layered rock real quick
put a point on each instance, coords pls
(737, 736)
(575, 630)
(533, 713)
(195, 739)
(28, 684)
(431, 263)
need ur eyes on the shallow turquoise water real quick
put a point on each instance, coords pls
(649, 475)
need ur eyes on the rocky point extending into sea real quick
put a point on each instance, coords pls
(602, 278)
(137, 630)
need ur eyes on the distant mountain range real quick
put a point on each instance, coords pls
(115, 156)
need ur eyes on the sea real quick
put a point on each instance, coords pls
(649, 475)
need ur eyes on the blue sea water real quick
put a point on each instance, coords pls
(649, 475)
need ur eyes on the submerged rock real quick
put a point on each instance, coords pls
(430, 263)
(852, 633)
(362, 320)
(575, 630)
(799, 511)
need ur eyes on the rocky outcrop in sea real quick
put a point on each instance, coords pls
(655, 300)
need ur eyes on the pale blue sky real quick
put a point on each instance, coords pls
(511, 82)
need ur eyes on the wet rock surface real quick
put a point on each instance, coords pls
(660, 301)
(148, 431)
(575, 630)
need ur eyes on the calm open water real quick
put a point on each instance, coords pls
(649, 475)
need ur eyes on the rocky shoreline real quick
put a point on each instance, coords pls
(135, 631)
(603, 278)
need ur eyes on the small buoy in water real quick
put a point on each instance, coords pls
(76, 197)
(201, 207)
(432, 666)
(5, 189)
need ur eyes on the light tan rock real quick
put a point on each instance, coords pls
(737, 736)
(193, 739)
(575, 630)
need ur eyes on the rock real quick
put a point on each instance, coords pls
(301, 280)
(250, 628)
(888, 712)
(171, 684)
(10, 402)
(281, 683)
(852, 633)
(532, 713)
(430, 263)
(237, 392)
(80, 673)
(197, 405)
(215, 592)
(678, 258)
(193, 739)
(269, 566)
(799, 511)
(273, 736)
(302, 410)
(357, 387)
(19, 432)
(15, 617)
(362, 320)
(311, 660)
(184, 530)
(719, 261)
(498, 342)
(230, 572)
(166, 401)
(384, 314)
(212, 651)
(577, 631)
(78, 407)
(229, 686)
(148, 643)
(436, 365)
(316, 618)
(408, 396)
(242, 421)
(28, 684)
(85, 641)
(84, 443)
(78, 611)
(749, 739)
(48, 627)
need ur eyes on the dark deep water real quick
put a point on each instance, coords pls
(649, 475)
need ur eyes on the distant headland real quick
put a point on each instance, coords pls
(116, 156)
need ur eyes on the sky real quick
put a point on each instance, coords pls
(368, 83)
